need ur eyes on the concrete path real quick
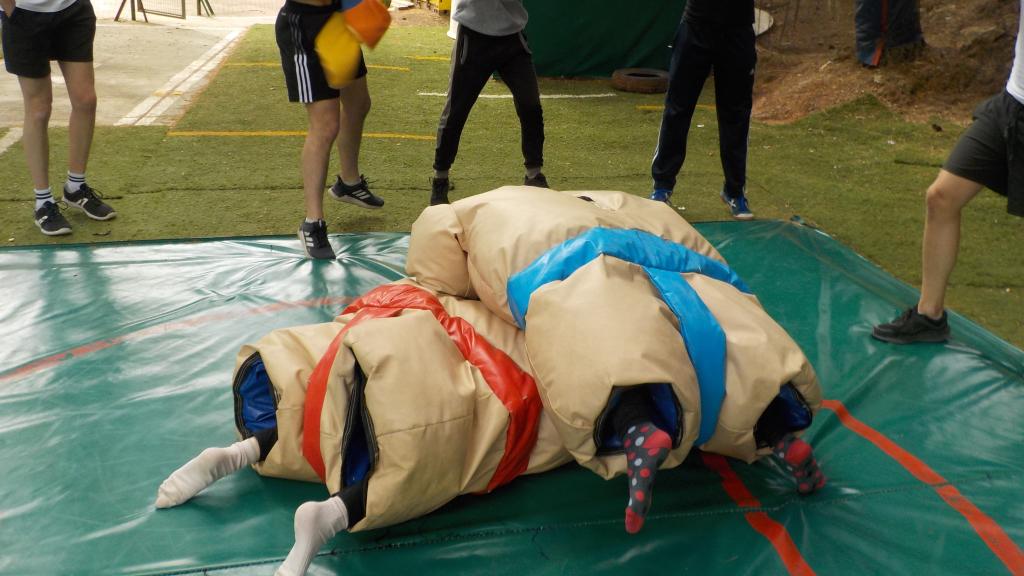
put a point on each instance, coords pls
(145, 73)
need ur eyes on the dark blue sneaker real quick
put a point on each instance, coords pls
(738, 206)
(661, 195)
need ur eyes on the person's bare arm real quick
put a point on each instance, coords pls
(7, 6)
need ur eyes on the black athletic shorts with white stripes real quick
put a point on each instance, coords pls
(297, 27)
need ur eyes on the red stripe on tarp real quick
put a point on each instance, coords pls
(513, 386)
(86, 349)
(988, 529)
(774, 532)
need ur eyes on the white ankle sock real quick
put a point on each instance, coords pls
(74, 181)
(315, 524)
(211, 465)
(42, 197)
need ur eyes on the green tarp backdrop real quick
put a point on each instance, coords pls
(597, 37)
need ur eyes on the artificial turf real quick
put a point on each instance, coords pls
(858, 172)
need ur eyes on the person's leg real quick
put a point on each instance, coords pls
(81, 83)
(689, 68)
(797, 457)
(734, 64)
(472, 64)
(945, 200)
(318, 522)
(355, 105)
(324, 118)
(211, 465)
(646, 447)
(37, 95)
(521, 78)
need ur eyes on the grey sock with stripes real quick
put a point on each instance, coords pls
(42, 197)
(74, 181)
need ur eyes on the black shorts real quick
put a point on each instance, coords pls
(297, 27)
(991, 151)
(31, 39)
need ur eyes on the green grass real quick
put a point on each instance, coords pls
(858, 172)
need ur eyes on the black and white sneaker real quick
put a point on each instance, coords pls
(50, 221)
(912, 327)
(359, 194)
(89, 201)
(313, 236)
(538, 181)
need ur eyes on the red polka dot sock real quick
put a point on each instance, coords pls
(797, 457)
(646, 448)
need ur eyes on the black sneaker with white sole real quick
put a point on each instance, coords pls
(50, 221)
(89, 201)
(313, 237)
(358, 194)
(438, 191)
(912, 327)
(538, 181)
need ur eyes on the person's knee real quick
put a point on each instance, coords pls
(358, 108)
(941, 200)
(37, 109)
(324, 129)
(84, 101)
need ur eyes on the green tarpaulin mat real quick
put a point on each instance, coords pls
(115, 366)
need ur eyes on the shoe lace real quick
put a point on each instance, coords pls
(319, 235)
(90, 192)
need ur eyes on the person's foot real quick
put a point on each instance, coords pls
(315, 524)
(198, 473)
(646, 448)
(358, 194)
(313, 237)
(538, 181)
(438, 191)
(912, 327)
(738, 206)
(89, 201)
(797, 457)
(50, 221)
(661, 195)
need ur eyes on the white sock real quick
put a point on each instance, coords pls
(441, 174)
(42, 197)
(74, 181)
(211, 465)
(315, 524)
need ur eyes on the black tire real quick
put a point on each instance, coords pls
(641, 80)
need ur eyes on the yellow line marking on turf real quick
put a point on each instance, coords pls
(278, 64)
(274, 133)
(659, 107)
(433, 58)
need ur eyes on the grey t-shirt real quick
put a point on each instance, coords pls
(491, 17)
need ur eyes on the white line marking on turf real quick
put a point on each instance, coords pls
(10, 139)
(150, 109)
(545, 96)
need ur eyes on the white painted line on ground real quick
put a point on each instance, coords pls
(149, 110)
(544, 96)
(10, 139)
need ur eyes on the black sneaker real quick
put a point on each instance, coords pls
(913, 327)
(88, 200)
(359, 194)
(51, 222)
(313, 236)
(438, 191)
(539, 181)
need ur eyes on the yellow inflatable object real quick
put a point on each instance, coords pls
(338, 49)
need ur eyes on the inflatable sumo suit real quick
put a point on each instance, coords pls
(615, 291)
(424, 397)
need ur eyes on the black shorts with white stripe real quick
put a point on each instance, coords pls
(297, 27)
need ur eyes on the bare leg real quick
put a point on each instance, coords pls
(316, 154)
(355, 105)
(81, 83)
(315, 524)
(200, 472)
(945, 199)
(38, 97)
